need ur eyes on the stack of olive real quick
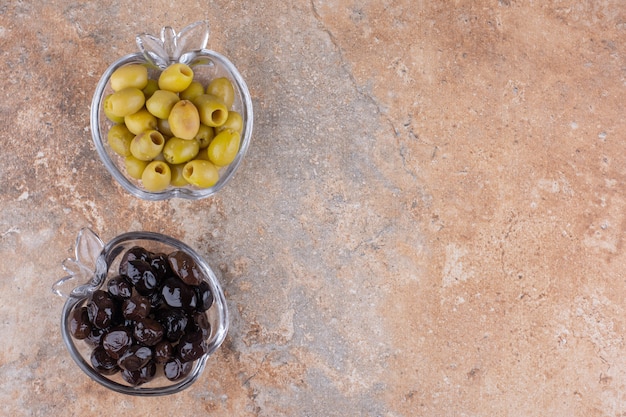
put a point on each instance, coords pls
(172, 131)
(152, 315)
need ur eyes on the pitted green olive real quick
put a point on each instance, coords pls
(234, 122)
(161, 102)
(177, 77)
(184, 120)
(177, 150)
(213, 112)
(223, 89)
(223, 148)
(119, 138)
(133, 75)
(194, 90)
(156, 176)
(147, 145)
(134, 166)
(124, 102)
(140, 121)
(201, 173)
(205, 135)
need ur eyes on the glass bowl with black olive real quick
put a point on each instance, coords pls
(143, 312)
(173, 120)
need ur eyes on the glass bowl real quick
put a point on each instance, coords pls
(89, 271)
(187, 47)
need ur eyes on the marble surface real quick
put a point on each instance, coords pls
(429, 221)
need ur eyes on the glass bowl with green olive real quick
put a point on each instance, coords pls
(173, 120)
(143, 313)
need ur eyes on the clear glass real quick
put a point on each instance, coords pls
(188, 47)
(94, 261)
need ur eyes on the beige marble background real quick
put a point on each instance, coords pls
(429, 222)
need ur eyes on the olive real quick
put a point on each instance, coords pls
(136, 252)
(174, 322)
(201, 173)
(160, 265)
(163, 351)
(136, 307)
(224, 147)
(161, 103)
(204, 295)
(147, 145)
(177, 77)
(194, 90)
(213, 112)
(178, 180)
(119, 138)
(140, 121)
(95, 336)
(191, 346)
(205, 135)
(150, 88)
(135, 358)
(101, 309)
(234, 122)
(80, 326)
(108, 108)
(141, 376)
(119, 288)
(185, 267)
(157, 176)
(164, 127)
(102, 362)
(174, 369)
(177, 294)
(178, 150)
(223, 89)
(124, 102)
(132, 75)
(184, 120)
(140, 274)
(116, 341)
(201, 324)
(148, 331)
(135, 167)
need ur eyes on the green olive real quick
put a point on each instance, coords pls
(150, 88)
(164, 127)
(124, 102)
(200, 173)
(194, 90)
(177, 77)
(134, 166)
(184, 120)
(156, 176)
(107, 110)
(119, 138)
(223, 148)
(133, 75)
(161, 102)
(223, 89)
(147, 145)
(234, 121)
(140, 121)
(212, 110)
(178, 180)
(178, 151)
(205, 135)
